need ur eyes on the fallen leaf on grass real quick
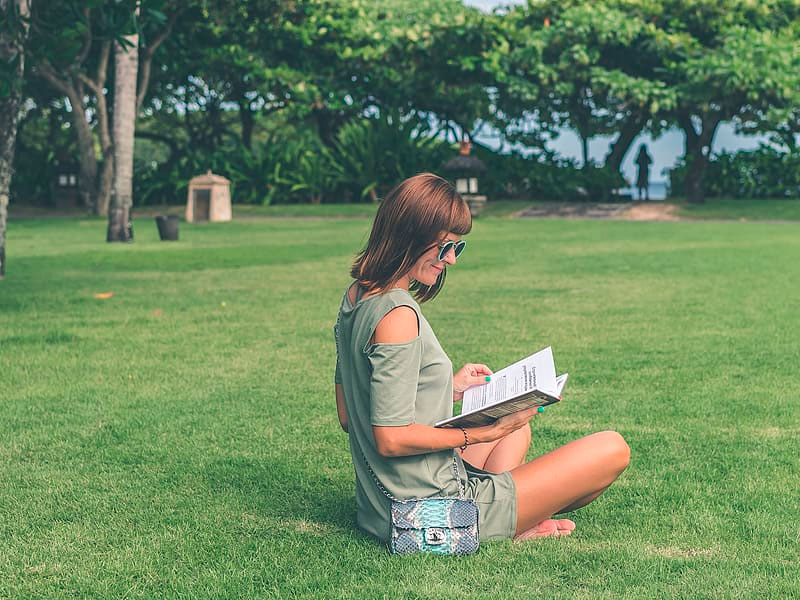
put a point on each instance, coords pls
(103, 295)
(157, 312)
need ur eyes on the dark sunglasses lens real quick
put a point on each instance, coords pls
(458, 248)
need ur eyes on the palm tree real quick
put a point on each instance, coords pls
(126, 64)
(13, 31)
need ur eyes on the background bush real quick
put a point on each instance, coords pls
(765, 172)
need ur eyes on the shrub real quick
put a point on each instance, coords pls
(545, 176)
(376, 153)
(765, 172)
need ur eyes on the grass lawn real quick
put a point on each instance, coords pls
(179, 439)
(786, 209)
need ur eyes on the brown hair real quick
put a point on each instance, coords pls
(409, 221)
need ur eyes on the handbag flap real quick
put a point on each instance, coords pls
(422, 513)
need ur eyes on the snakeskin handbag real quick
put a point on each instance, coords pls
(439, 525)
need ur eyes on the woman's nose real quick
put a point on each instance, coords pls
(450, 257)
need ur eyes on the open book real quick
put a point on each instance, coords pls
(529, 382)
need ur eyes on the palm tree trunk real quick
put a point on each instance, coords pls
(124, 125)
(11, 51)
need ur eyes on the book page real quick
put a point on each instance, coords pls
(537, 371)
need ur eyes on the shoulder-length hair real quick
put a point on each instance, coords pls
(409, 221)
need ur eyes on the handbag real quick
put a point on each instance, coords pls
(437, 524)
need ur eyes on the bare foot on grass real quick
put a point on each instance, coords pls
(548, 528)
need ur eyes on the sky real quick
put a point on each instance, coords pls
(666, 150)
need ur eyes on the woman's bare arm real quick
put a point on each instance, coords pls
(341, 409)
(420, 439)
(400, 326)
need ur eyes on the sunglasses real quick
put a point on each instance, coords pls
(444, 249)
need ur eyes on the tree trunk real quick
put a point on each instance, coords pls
(585, 150)
(695, 170)
(327, 123)
(630, 129)
(697, 153)
(87, 160)
(124, 125)
(103, 197)
(11, 53)
(247, 121)
(93, 191)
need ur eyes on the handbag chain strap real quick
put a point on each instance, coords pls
(386, 493)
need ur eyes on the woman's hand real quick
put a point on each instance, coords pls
(467, 376)
(503, 426)
(510, 423)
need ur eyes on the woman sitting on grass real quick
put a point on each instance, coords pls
(394, 381)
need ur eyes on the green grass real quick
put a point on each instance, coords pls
(180, 438)
(743, 209)
(712, 209)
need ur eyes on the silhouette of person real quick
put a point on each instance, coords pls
(643, 161)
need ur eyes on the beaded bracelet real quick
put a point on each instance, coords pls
(466, 439)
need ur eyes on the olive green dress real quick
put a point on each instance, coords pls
(400, 384)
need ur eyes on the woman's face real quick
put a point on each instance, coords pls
(427, 269)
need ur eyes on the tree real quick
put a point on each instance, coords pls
(73, 46)
(126, 61)
(13, 34)
(574, 64)
(73, 40)
(742, 80)
(722, 61)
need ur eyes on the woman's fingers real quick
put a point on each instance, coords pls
(517, 419)
(481, 369)
(471, 374)
(481, 374)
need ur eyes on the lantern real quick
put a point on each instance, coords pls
(64, 190)
(464, 169)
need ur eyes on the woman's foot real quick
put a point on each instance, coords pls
(548, 528)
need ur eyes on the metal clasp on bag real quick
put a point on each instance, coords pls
(435, 536)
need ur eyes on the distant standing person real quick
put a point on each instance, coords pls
(643, 161)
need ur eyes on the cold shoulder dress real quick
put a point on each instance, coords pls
(401, 384)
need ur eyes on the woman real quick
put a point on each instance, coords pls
(393, 381)
(643, 162)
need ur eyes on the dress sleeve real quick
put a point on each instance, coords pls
(393, 384)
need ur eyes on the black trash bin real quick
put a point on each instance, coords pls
(167, 227)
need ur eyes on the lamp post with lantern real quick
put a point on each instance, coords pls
(464, 169)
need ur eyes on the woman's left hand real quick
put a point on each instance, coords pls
(467, 376)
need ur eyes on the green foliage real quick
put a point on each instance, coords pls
(765, 172)
(13, 34)
(368, 90)
(545, 176)
(378, 152)
(569, 65)
(275, 169)
(369, 155)
(313, 172)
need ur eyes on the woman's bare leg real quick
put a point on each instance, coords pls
(500, 455)
(508, 453)
(566, 479)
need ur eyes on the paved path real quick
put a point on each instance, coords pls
(637, 211)
(579, 210)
